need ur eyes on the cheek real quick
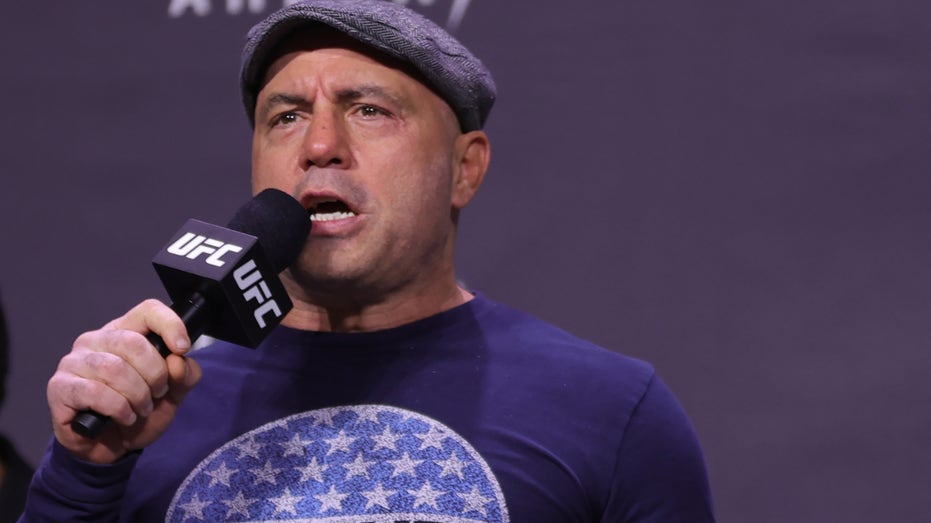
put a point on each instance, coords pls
(414, 189)
(425, 198)
(257, 165)
(427, 180)
(268, 166)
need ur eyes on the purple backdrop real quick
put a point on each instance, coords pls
(736, 192)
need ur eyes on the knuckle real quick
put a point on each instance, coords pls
(150, 304)
(124, 338)
(65, 391)
(134, 345)
(128, 344)
(143, 309)
(84, 340)
(104, 363)
(66, 364)
(140, 399)
(58, 387)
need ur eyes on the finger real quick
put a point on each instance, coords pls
(68, 394)
(184, 374)
(154, 316)
(123, 360)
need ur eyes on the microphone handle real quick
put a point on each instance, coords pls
(194, 313)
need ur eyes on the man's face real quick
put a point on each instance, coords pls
(372, 152)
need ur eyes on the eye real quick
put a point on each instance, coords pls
(371, 111)
(284, 118)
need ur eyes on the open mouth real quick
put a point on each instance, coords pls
(329, 210)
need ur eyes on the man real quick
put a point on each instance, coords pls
(14, 471)
(390, 393)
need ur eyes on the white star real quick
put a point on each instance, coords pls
(194, 508)
(387, 439)
(433, 438)
(325, 417)
(267, 474)
(405, 465)
(294, 447)
(452, 465)
(331, 500)
(359, 467)
(340, 442)
(378, 496)
(368, 413)
(238, 505)
(249, 448)
(426, 495)
(286, 502)
(313, 470)
(474, 500)
(221, 475)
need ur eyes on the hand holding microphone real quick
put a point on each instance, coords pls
(223, 282)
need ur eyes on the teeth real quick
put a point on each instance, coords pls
(330, 216)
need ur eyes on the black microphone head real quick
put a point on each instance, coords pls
(280, 223)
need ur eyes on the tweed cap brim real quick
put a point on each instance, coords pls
(452, 71)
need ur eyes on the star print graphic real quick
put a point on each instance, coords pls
(238, 506)
(359, 467)
(220, 475)
(312, 470)
(249, 448)
(194, 508)
(387, 439)
(331, 500)
(405, 465)
(293, 447)
(426, 495)
(432, 439)
(377, 497)
(286, 503)
(267, 474)
(452, 466)
(353, 464)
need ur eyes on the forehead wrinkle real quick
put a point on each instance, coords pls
(353, 86)
(286, 99)
(299, 46)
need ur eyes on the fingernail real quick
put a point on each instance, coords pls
(182, 344)
(160, 393)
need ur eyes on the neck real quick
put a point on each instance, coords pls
(349, 312)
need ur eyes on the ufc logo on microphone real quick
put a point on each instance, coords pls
(193, 245)
(249, 280)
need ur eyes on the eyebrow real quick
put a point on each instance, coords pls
(346, 95)
(368, 90)
(284, 99)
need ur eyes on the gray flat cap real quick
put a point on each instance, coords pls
(456, 75)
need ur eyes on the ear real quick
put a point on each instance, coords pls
(472, 156)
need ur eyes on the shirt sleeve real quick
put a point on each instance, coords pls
(65, 488)
(660, 476)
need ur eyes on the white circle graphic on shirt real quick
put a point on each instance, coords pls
(356, 464)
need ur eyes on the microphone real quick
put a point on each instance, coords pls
(224, 282)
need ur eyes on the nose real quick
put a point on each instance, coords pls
(325, 142)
